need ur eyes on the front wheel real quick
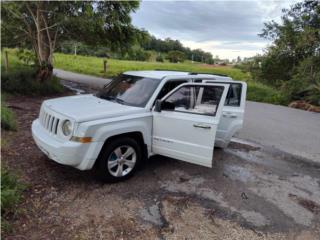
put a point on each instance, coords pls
(119, 160)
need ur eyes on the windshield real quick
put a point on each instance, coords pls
(129, 90)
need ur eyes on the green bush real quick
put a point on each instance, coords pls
(176, 56)
(11, 190)
(261, 93)
(8, 121)
(305, 83)
(11, 193)
(159, 59)
(23, 81)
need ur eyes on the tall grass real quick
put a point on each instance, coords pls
(8, 121)
(20, 78)
(94, 66)
(11, 194)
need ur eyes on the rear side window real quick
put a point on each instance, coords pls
(233, 98)
(234, 95)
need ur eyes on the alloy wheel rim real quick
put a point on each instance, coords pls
(121, 161)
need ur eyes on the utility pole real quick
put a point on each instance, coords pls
(75, 49)
(192, 58)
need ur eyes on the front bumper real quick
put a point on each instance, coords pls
(78, 155)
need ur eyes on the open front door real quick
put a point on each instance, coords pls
(185, 125)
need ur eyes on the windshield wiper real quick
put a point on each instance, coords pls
(113, 99)
(118, 100)
(106, 97)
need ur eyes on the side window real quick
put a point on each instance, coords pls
(195, 99)
(168, 86)
(234, 95)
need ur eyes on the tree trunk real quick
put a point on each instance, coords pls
(45, 46)
(43, 41)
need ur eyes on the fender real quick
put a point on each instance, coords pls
(101, 130)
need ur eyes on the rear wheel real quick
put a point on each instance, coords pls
(119, 160)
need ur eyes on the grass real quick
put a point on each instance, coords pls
(8, 121)
(21, 79)
(94, 66)
(11, 194)
(259, 92)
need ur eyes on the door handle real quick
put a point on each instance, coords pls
(229, 114)
(199, 125)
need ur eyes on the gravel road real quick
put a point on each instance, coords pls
(290, 130)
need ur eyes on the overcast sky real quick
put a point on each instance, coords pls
(224, 28)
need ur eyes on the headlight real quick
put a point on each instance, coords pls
(67, 128)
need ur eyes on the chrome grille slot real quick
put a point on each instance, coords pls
(56, 127)
(49, 121)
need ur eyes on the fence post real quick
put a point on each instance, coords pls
(105, 66)
(6, 61)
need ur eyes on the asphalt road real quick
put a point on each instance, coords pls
(290, 130)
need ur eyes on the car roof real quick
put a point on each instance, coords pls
(160, 74)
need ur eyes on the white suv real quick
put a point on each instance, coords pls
(141, 113)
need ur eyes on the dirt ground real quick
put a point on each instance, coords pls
(252, 192)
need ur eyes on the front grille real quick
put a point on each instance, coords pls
(49, 122)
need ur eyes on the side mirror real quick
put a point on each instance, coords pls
(157, 106)
(167, 106)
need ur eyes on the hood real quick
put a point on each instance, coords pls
(87, 107)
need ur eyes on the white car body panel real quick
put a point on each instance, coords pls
(175, 133)
(101, 119)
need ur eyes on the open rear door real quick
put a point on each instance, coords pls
(233, 111)
(185, 124)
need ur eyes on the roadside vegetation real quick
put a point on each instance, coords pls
(20, 77)
(292, 63)
(94, 66)
(11, 195)
(8, 121)
(11, 187)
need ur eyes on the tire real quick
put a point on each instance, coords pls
(119, 160)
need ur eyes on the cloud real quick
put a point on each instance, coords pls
(214, 26)
(229, 49)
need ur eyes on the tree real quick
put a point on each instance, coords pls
(42, 25)
(176, 56)
(292, 61)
